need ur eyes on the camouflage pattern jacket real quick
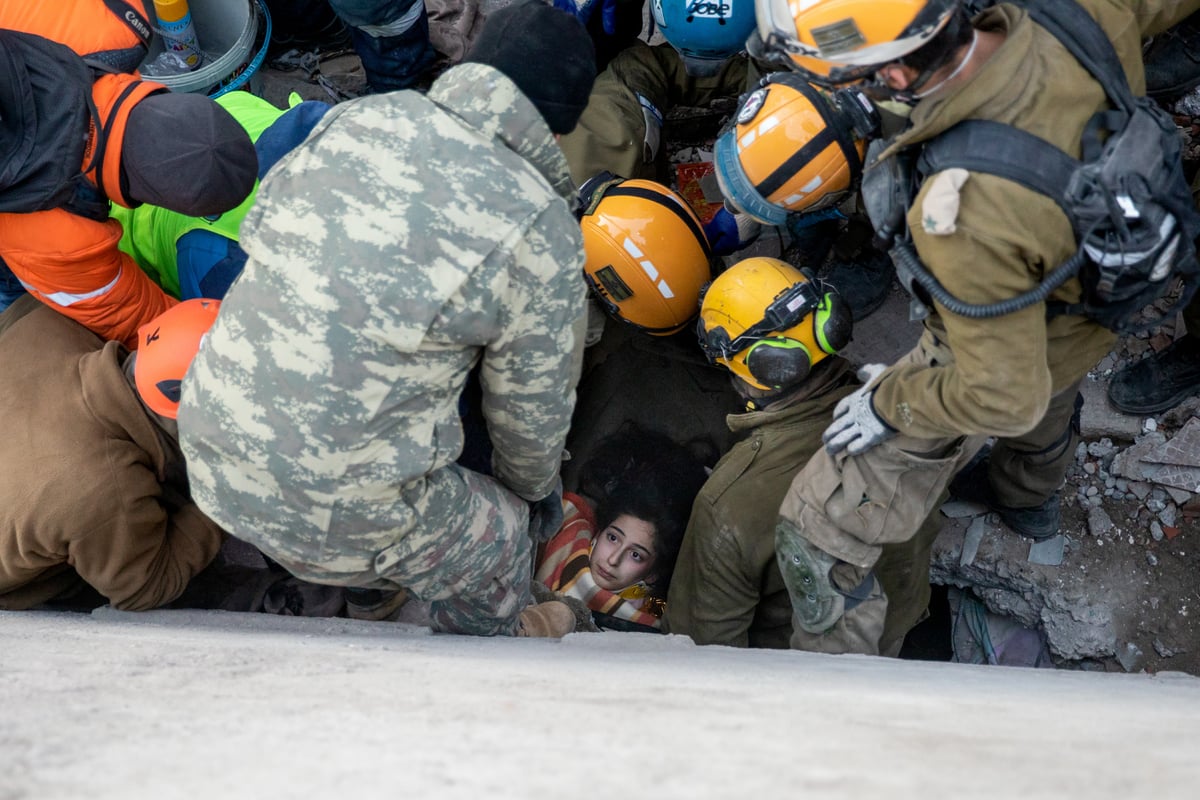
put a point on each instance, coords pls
(408, 238)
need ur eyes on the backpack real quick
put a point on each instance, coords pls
(45, 112)
(1129, 205)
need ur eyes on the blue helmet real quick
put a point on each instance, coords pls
(705, 32)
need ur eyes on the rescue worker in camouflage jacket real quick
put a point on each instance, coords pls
(409, 238)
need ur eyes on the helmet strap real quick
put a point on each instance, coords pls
(957, 71)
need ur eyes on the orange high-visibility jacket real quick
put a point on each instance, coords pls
(71, 262)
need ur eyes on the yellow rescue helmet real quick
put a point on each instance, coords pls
(793, 148)
(768, 323)
(647, 257)
(841, 41)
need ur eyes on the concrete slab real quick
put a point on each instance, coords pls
(1099, 419)
(182, 705)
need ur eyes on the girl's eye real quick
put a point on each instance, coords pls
(636, 555)
(612, 537)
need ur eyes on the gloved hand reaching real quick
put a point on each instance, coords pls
(727, 232)
(546, 515)
(856, 427)
(583, 10)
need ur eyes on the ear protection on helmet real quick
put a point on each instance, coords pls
(801, 325)
(647, 256)
(775, 158)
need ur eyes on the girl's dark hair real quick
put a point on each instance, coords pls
(649, 476)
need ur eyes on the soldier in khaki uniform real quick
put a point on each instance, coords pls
(408, 239)
(895, 444)
(727, 588)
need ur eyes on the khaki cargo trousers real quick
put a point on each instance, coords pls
(841, 509)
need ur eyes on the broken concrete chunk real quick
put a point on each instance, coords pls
(1186, 478)
(1130, 657)
(1156, 531)
(1162, 649)
(955, 509)
(1099, 419)
(971, 540)
(1128, 463)
(1168, 515)
(1049, 552)
(1140, 489)
(1178, 495)
(1182, 449)
(1099, 523)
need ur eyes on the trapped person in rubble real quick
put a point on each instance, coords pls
(410, 237)
(133, 141)
(777, 331)
(895, 443)
(617, 547)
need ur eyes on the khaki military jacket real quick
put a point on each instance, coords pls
(409, 238)
(1003, 238)
(727, 588)
(82, 473)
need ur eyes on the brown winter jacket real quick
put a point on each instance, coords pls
(727, 588)
(82, 472)
(1007, 238)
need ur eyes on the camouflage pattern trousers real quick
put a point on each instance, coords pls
(467, 558)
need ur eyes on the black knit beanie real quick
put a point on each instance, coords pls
(187, 154)
(546, 52)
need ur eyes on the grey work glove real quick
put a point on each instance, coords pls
(546, 515)
(856, 428)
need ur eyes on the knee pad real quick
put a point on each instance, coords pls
(817, 599)
(817, 604)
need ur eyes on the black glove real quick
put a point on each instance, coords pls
(546, 515)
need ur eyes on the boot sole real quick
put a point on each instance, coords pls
(1146, 410)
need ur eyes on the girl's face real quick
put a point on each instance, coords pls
(623, 553)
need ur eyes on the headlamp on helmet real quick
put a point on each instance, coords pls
(768, 323)
(646, 253)
(793, 148)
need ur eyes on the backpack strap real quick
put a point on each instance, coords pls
(1077, 31)
(125, 59)
(837, 129)
(1002, 150)
(133, 19)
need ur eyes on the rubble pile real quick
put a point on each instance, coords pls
(1118, 588)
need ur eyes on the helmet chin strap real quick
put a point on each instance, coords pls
(910, 95)
(957, 70)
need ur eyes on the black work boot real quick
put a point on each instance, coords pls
(864, 282)
(1035, 522)
(1173, 60)
(1159, 381)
